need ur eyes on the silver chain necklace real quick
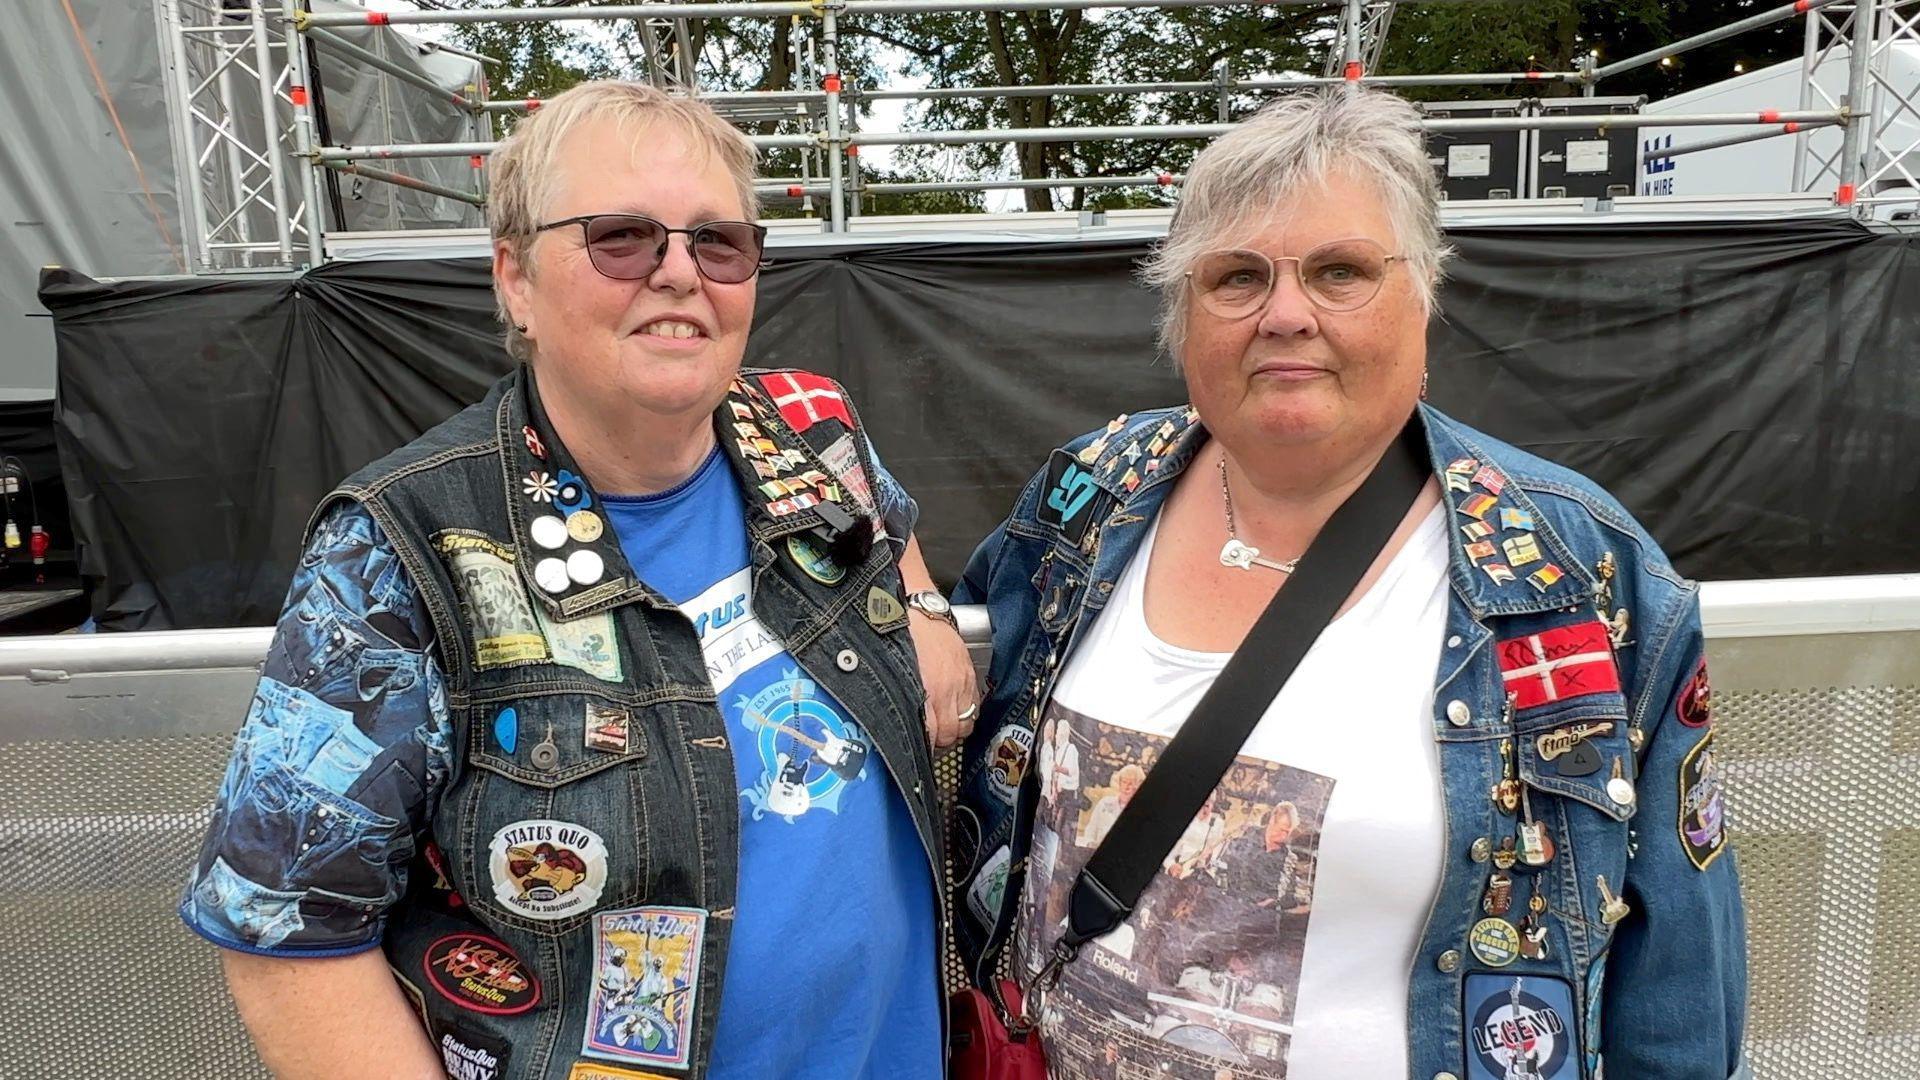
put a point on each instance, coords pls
(1235, 553)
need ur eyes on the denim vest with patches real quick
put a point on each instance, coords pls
(1567, 628)
(592, 769)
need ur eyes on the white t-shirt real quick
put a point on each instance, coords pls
(1260, 949)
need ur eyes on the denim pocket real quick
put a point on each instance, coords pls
(554, 822)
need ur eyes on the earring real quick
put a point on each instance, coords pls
(522, 328)
(1423, 380)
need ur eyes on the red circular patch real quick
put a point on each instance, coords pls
(1695, 707)
(476, 972)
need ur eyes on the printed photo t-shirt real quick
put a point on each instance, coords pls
(1277, 938)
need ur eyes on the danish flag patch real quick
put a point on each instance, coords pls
(805, 399)
(1565, 662)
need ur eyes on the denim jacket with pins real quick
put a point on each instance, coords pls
(1566, 626)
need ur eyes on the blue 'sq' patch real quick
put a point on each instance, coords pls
(1070, 489)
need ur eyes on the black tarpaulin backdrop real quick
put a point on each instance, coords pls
(1749, 390)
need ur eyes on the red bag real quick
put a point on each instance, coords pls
(982, 1047)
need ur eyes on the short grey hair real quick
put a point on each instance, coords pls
(1286, 147)
(523, 170)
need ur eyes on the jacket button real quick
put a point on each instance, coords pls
(848, 660)
(1458, 714)
(1482, 848)
(1453, 642)
(1444, 1076)
(1449, 961)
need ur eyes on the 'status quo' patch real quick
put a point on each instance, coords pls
(492, 600)
(545, 869)
(842, 459)
(480, 973)
(1007, 759)
(1520, 1026)
(469, 1055)
(1703, 824)
(646, 981)
(1695, 707)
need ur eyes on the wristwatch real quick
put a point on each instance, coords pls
(932, 603)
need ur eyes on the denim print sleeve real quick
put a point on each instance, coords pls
(897, 508)
(333, 773)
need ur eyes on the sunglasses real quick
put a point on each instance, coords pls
(628, 247)
(1341, 276)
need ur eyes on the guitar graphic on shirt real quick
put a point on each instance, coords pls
(787, 794)
(844, 757)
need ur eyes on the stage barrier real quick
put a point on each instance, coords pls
(111, 747)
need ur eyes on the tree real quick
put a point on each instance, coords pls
(541, 59)
(1548, 35)
(1036, 48)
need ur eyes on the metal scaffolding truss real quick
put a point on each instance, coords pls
(669, 48)
(228, 81)
(248, 124)
(1363, 34)
(1862, 38)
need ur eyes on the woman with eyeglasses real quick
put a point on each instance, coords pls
(594, 740)
(1478, 831)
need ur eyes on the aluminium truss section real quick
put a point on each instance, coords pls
(250, 97)
(1876, 45)
(1363, 36)
(668, 44)
(227, 76)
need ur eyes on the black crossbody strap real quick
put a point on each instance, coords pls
(1190, 768)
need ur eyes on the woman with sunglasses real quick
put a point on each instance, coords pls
(1478, 832)
(594, 739)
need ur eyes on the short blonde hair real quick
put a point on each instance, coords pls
(1292, 144)
(524, 167)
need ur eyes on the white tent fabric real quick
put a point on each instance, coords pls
(90, 173)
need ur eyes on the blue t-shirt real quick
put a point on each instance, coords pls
(832, 971)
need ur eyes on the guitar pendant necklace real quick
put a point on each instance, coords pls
(1235, 553)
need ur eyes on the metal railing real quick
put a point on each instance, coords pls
(112, 747)
(265, 46)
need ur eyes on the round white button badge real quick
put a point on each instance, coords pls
(586, 567)
(549, 532)
(551, 575)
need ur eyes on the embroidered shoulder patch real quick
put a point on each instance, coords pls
(1695, 707)
(1703, 826)
(804, 399)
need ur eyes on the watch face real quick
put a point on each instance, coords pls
(932, 602)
